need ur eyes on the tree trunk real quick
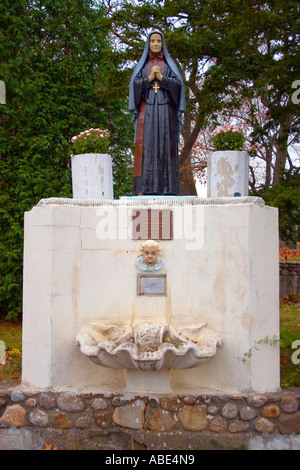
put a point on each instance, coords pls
(187, 181)
(282, 151)
(268, 165)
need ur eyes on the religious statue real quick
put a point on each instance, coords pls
(157, 102)
(150, 257)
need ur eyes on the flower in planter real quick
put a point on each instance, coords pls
(91, 141)
(228, 137)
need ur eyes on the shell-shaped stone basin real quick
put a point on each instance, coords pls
(148, 346)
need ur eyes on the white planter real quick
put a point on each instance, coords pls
(92, 176)
(228, 174)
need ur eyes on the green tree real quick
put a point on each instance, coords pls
(262, 59)
(286, 197)
(54, 62)
(112, 82)
(228, 51)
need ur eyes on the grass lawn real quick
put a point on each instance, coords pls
(11, 334)
(289, 333)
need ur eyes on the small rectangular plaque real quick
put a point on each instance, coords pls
(152, 284)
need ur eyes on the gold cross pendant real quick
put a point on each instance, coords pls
(156, 87)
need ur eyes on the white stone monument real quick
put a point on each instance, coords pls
(220, 273)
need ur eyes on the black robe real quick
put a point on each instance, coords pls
(160, 160)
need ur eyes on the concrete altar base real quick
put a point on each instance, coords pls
(221, 266)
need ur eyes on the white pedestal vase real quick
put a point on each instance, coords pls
(228, 173)
(92, 176)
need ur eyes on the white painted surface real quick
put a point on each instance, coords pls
(92, 176)
(222, 269)
(227, 173)
(2, 352)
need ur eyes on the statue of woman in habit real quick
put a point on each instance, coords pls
(157, 102)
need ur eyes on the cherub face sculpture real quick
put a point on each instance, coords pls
(150, 256)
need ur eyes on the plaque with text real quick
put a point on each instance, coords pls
(152, 224)
(152, 284)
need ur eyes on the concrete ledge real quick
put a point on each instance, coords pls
(156, 200)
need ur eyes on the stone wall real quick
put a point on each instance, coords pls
(112, 421)
(289, 278)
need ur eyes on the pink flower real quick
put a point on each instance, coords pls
(226, 128)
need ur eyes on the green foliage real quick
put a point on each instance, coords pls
(266, 340)
(228, 138)
(229, 51)
(11, 335)
(289, 333)
(228, 141)
(56, 64)
(63, 74)
(91, 141)
(286, 197)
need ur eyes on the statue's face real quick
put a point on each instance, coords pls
(150, 255)
(155, 43)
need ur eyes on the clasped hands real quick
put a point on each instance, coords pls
(155, 74)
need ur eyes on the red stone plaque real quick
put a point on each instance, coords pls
(152, 224)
